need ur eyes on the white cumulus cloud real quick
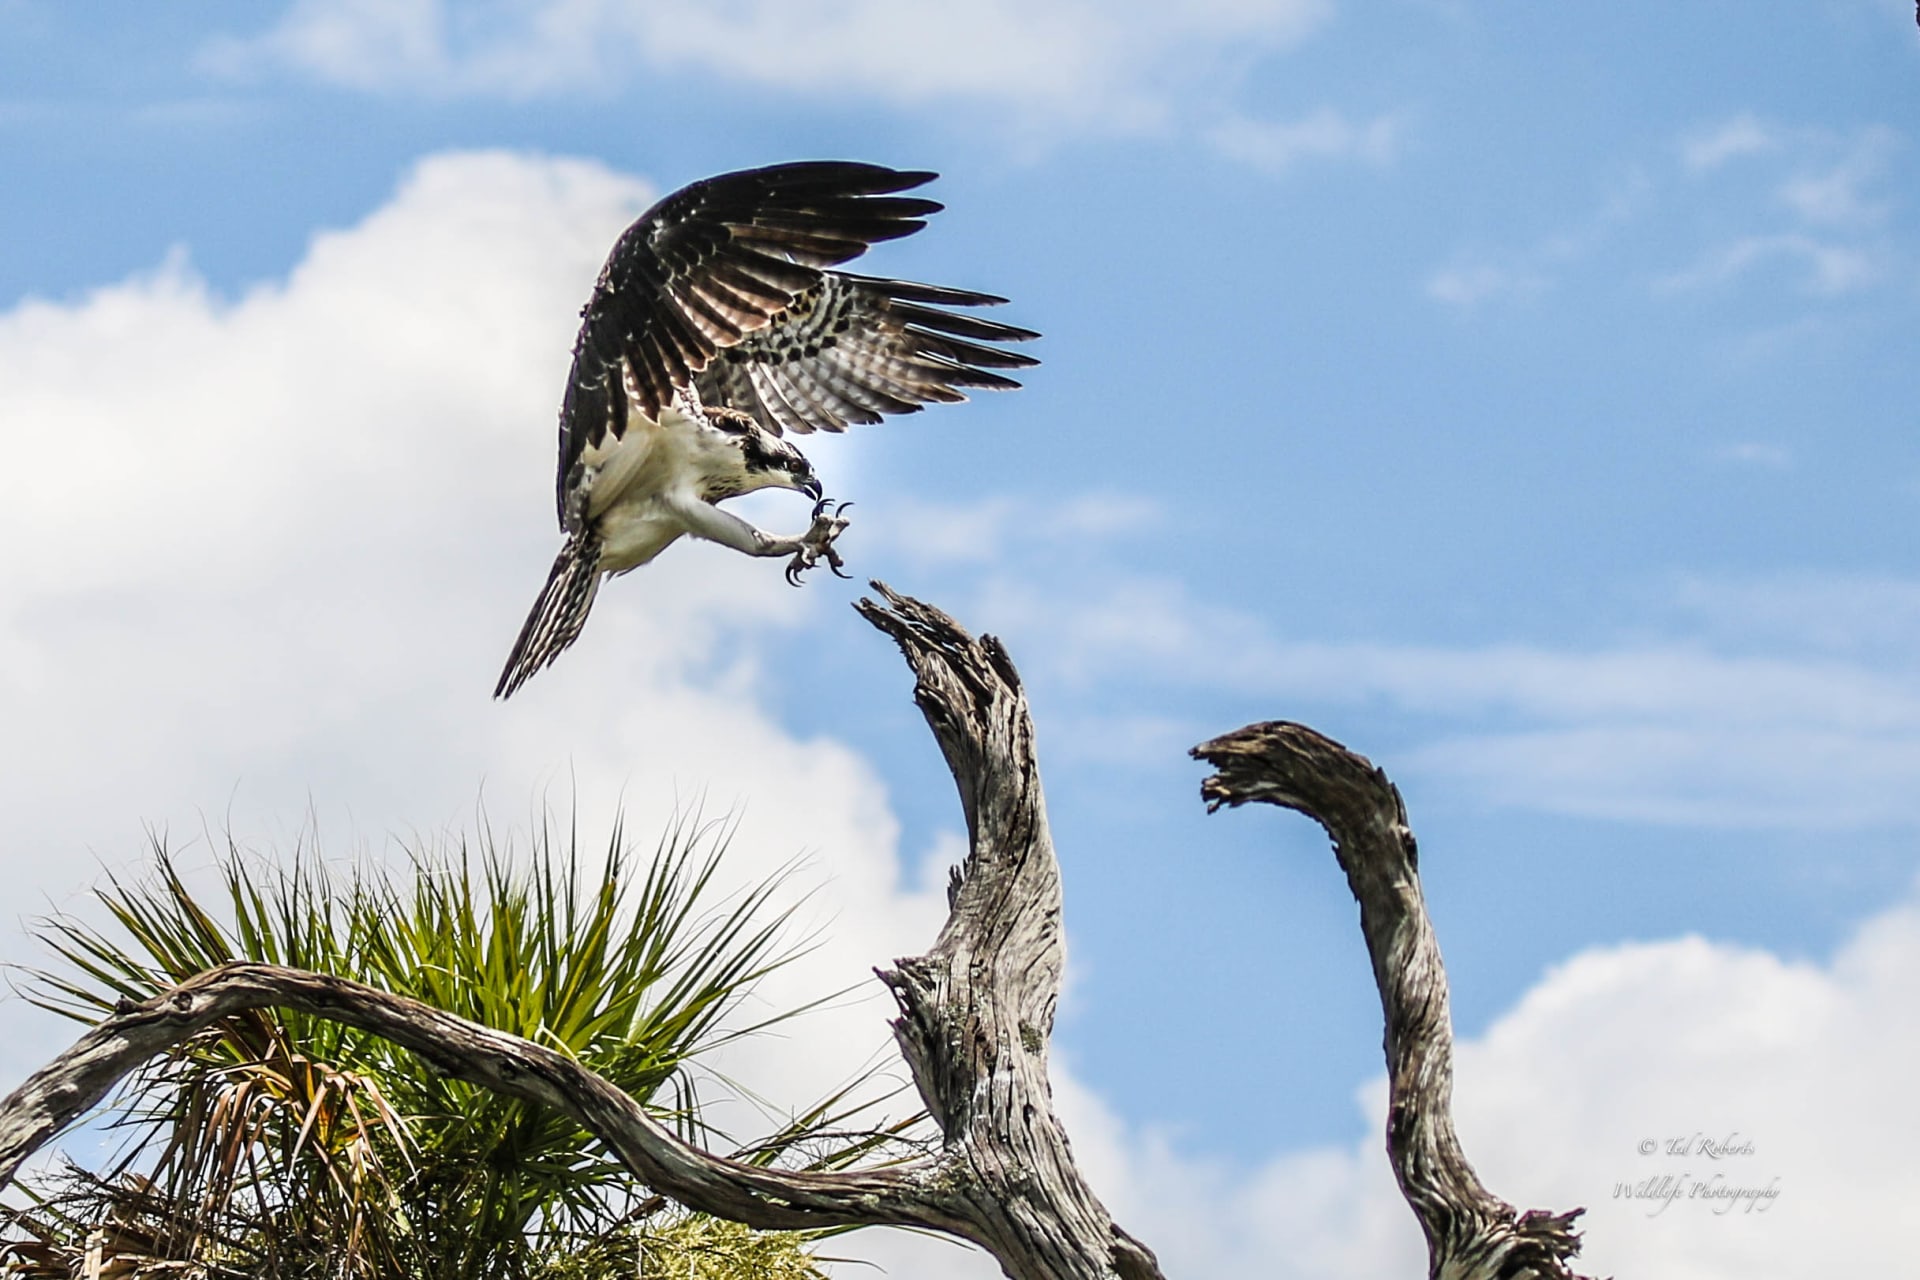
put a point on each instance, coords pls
(1720, 1112)
(265, 554)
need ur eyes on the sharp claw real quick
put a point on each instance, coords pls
(817, 545)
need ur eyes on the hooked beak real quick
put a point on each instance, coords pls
(811, 487)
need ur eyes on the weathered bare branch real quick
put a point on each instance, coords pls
(977, 1010)
(75, 1081)
(1471, 1233)
(975, 1015)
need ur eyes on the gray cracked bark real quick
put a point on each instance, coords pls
(1471, 1233)
(976, 1012)
(975, 1015)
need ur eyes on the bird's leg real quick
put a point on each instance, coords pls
(704, 520)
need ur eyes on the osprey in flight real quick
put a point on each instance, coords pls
(717, 327)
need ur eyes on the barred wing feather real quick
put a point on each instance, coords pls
(854, 348)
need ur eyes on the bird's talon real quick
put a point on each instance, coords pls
(817, 543)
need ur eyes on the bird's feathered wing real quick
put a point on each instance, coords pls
(724, 287)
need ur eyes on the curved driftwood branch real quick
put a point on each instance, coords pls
(75, 1081)
(975, 1015)
(1472, 1234)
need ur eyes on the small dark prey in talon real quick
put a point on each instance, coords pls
(722, 334)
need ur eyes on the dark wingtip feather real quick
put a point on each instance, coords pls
(846, 175)
(982, 380)
(963, 326)
(896, 231)
(900, 206)
(914, 291)
(911, 178)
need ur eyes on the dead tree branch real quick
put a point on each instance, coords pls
(78, 1079)
(977, 1010)
(975, 1015)
(1471, 1233)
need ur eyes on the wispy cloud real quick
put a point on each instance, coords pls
(930, 531)
(1668, 734)
(1469, 284)
(1870, 619)
(1092, 63)
(1825, 186)
(1825, 269)
(1719, 724)
(1836, 193)
(1820, 228)
(1709, 148)
(1276, 146)
(1042, 69)
(1756, 453)
(1526, 272)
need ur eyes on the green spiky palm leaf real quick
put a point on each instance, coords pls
(333, 1142)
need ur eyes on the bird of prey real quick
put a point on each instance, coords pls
(718, 327)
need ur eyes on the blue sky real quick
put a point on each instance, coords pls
(1522, 394)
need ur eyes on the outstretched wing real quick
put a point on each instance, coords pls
(853, 348)
(709, 266)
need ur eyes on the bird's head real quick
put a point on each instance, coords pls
(799, 473)
(773, 461)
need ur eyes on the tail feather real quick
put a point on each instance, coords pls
(558, 615)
